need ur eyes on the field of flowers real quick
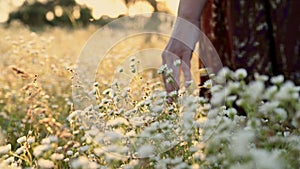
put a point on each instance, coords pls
(134, 126)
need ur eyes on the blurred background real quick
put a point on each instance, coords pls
(77, 13)
(40, 43)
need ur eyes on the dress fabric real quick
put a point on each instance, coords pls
(258, 35)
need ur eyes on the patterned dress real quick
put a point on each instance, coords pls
(258, 35)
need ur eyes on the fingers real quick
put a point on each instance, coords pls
(175, 51)
(186, 68)
(171, 75)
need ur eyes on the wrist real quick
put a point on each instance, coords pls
(186, 31)
(194, 20)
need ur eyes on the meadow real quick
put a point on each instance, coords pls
(133, 126)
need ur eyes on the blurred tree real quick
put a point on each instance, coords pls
(52, 12)
(37, 13)
(158, 6)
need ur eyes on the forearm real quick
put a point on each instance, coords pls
(186, 28)
(191, 10)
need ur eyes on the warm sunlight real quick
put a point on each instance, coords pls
(172, 5)
(114, 8)
(139, 8)
(111, 8)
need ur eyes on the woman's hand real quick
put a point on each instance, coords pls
(182, 42)
(174, 52)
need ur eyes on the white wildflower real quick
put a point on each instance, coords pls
(208, 84)
(187, 120)
(270, 92)
(98, 151)
(59, 148)
(240, 102)
(188, 83)
(157, 136)
(38, 150)
(46, 141)
(20, 150)
(117, 122)
(116, 148)
(30, 139)
(112, 136)
(83, 139)
(76, 154)
(242, 166)
(9, 160)
(96, 84)
(232, 112)
(120, 70)
(136, 121)
(173, 93)
(21, 139)
(160, 102)
(255, 90)
(84, 148)
(215, 88)
(169, 72)
(254, 123)
(158, 109)
(45, 163)
(241, 141)
(73, 115)
(281, 113)
(5, 149)
(53, 139)
(287, 91)
(132, 58)
(240, 73)
(69, 152)
(169, 80)
(162, 69)
(268, 107)
(146, 150)
(76, 132)
(233, 86)
(277, 79)
(93, 165)
(181, 165)
(91, 156)
(212, 114)
(270, 159)
(171, 108)
(224, 71)
(176, 160)
(231, 98)
(106, 101)
(177, 63)
(131, 133)
(162, 94)
(195, 166)
(259, 77)
(113, 157)
(166, 144)
(81, 162)
(57, 157)
(295, 121)
(219, 97)
(286, 133)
